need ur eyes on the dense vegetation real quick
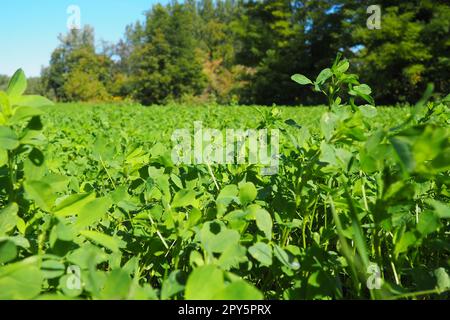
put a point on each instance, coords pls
(245, 51)
(92, 206)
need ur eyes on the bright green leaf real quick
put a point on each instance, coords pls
(8, 139)
(442, 279)
(324, 75)
(264, 222)
(21, 280)
(111, 243)
(184, 198)
(8, 218)
(32, 101)
(204, 283)
(172, 285)
(72, 204)
(24, 113)
(261, 252)
(239, 290)
(41, 193)
(441, 209)
(216, 238)
(301, 79)
(428, 223)
(8, 251)
(407, 240)
(17, 85)
(247, 193)
(92, 212)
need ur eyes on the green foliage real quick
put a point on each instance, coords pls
(165, 65)
(332, 81)
(82, 86)
(207, 283)
(105, 214)
(409, 51)
(76, 71)
(245, 51)
(20, 137)
(352, 150)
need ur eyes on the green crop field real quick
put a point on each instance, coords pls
(150, 125)
(93, 205)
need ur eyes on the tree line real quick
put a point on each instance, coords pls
(245, 52)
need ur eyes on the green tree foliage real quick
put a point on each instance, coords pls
(76, 71)
(163, 62)
(3, 82)
(411, 49)
(217, 49)
(87, 79)
(246, 50)
(280, 36)
(265, 29)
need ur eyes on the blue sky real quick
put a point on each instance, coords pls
(29, 28)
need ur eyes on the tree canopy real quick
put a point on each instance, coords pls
(246, 51)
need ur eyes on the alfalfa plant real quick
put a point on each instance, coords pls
(332, 82)
(20, 136)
